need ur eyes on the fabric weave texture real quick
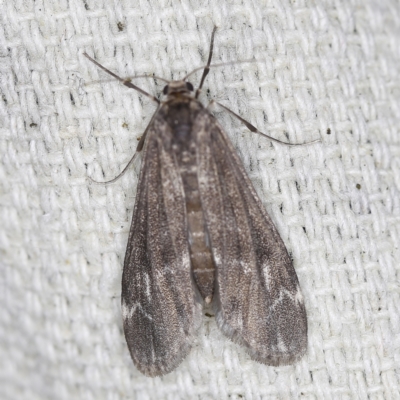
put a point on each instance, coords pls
(327, 69)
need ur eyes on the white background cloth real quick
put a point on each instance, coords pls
(323, 64)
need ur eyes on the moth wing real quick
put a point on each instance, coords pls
(258, 302)
(160, 312)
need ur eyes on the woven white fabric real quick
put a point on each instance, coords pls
(331, 64)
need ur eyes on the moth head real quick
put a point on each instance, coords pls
(175, 87)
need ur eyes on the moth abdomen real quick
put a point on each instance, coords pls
(184, 142)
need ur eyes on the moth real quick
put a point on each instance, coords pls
(201, 236)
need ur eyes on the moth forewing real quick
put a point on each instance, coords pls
(258, 302)
(200, 234)
(161, 313)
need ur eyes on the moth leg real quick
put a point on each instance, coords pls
(138, 150)
(207, 67)
(119, 175)
(125, 82)
(252, 128)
